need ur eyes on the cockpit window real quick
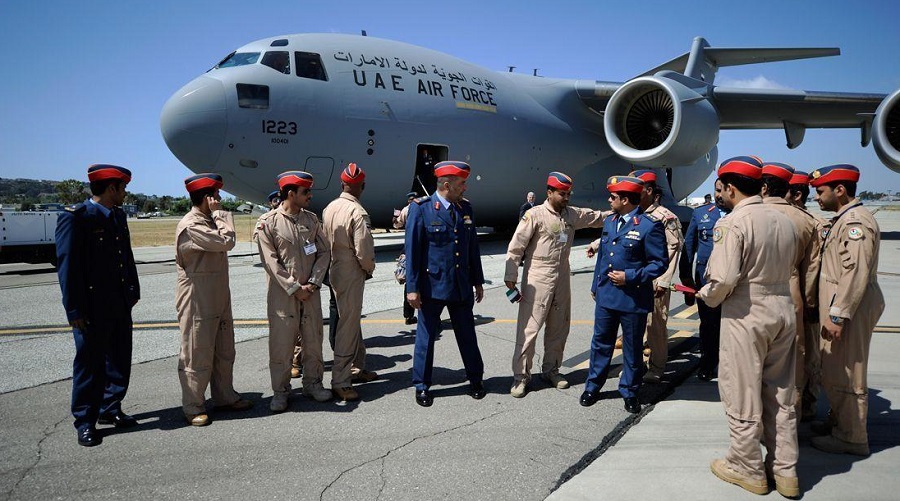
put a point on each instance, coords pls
(309, 65)
(280, 61)
(253, 96)
(238, 59)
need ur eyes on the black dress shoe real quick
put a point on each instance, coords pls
(424, 398)
(411, 321)
(704, 375)
(118, 419)
(476, 390)
(88, 437)
(632, 405)
(589, 398)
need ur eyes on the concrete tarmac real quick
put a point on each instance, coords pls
(385, 446)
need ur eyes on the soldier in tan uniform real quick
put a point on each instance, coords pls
(399, 223)
(203, 300)
(657, 322)
(296, 362)
(748, 275)
(848, 312)
(295, 255)
(543, 239)
(811, 338)
(347, 230)
(805, 271)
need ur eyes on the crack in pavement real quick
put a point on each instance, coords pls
(49, 430)
(384, 456)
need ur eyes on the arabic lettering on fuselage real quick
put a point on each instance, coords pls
(456, 82)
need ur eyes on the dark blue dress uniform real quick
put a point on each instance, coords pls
(99, 285)
(698, 240)
(443, 264)
(639, 249)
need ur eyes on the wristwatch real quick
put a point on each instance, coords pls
(837, 320)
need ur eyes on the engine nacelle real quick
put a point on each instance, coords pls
(886, 131)
(660, 122)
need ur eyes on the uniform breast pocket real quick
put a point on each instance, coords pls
(604, 239)
(438, 234)
(632, 249)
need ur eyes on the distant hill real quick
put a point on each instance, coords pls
(15, 190)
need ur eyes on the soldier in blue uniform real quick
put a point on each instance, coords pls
(443, 266)
(632, 253)
(99, 285)
(698, 240)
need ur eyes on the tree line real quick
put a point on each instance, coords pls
(29, 192)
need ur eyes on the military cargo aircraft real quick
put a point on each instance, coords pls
(316, 102)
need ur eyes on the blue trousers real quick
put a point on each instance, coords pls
(101, 369)
(427, 330)
(606, 325)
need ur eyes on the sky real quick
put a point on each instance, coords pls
(85, 82)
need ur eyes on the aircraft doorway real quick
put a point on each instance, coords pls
(427, 155)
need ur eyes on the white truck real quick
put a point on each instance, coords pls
(28, 237)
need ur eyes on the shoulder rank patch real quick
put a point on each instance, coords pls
(855, 233)
(719, 234)
(421, 200)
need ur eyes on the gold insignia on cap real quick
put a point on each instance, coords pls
(614, 180)
(816, 174)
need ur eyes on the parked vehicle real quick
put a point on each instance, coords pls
(28, 236)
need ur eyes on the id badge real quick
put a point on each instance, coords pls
(563, 237)
(309, 248)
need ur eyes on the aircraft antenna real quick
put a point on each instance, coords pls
(535, 72)
(511, 68)
(364, 33)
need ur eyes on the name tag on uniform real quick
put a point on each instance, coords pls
(633, 235)
(309, 248)
(563, 238)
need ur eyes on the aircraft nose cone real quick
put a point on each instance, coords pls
(193, 123)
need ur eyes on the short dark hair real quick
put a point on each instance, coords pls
(655, 190)
(444, 179)
(744, 184)
(850, 186)
(801, 189)
(775, 186)
(633, 198)
(197, 197)
(98, 187)
(283, 194)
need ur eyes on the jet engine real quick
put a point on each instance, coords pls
(661, 121)
(886, 131)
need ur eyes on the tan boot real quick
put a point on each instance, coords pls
(721, 469)
(788, 487)
(555, 380)
(837, 446)
(362, 375)
(197, 419)
(519, 388)
(317, 392)
(296, 372)
(618, 343)
(347, 394)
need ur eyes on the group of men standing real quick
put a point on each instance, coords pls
(769, 297)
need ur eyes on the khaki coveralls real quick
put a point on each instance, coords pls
(850, 258)
(544, 237)
(658, 319)
(748, 275)
(352, 248)
(294, 253)
(203, 302)
(804, 282)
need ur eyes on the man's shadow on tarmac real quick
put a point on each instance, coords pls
(814, 465)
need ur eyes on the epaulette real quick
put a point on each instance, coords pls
(76, 207)
(422, 200)
(267, 216)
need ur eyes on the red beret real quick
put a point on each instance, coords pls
(352, 174)
(99, 172)
(201, 181)
(559, 181)
(295, 178)
(452, 168)
(749, 166)
(834, 174)
(799, 177)
(630, 184)
(782, 171)
(645, 175)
